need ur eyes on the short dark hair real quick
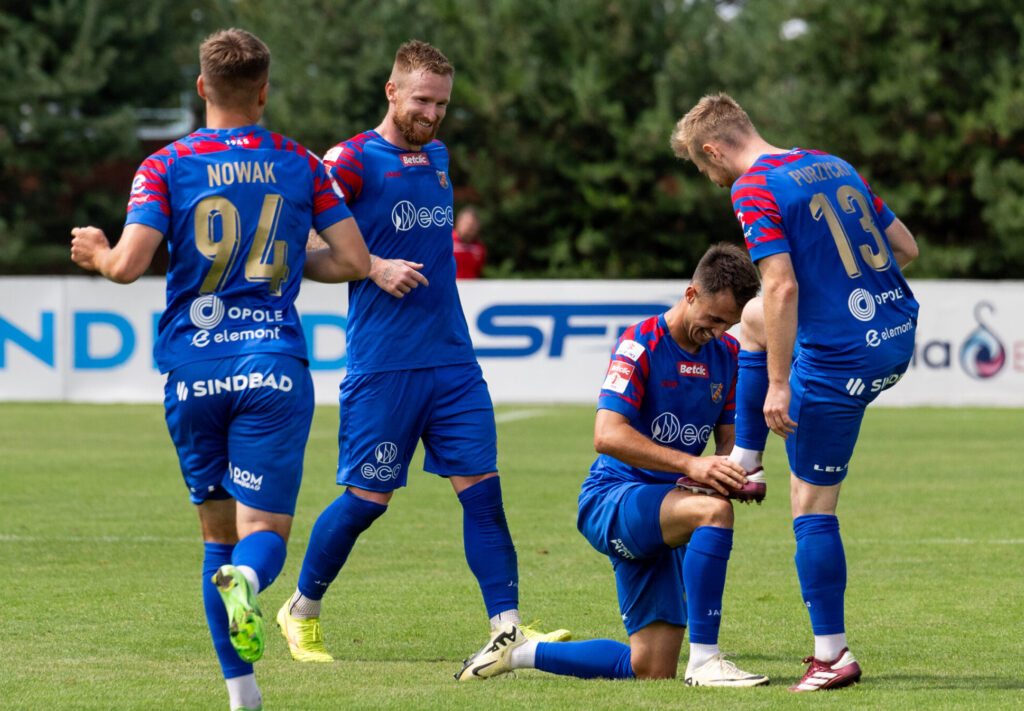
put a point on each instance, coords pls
(417, 56)
(728, 266)
(235, 65)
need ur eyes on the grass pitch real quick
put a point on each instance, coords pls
(100, 557)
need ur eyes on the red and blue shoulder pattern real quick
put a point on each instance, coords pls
(756, 203)
(150, 185)
(645, 355)
(347, 162)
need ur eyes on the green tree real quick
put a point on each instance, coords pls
(73, 70)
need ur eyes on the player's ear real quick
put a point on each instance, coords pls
(201, 88)
(262, 96)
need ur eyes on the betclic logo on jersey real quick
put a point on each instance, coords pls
(410, 159)
(405, 216)
(693, 370)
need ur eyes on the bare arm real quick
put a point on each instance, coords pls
(781, 296)
(614, 436)
(904, 246)
(343, 256)
(126, 261)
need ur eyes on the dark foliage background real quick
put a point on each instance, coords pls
(560, 115)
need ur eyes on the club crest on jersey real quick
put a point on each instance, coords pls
(415, 159)
(443, 179)
(716, 392)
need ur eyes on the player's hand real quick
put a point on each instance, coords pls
(718, 472)
(87, 244)
(397, 276)
(776, 411)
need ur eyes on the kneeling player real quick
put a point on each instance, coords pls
(670, 383)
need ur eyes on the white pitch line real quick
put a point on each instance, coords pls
(513, 415)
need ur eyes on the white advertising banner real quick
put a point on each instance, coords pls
(84, 339)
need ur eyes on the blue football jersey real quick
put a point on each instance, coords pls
(670, 395)
(402, 202)
(236, 206)
(856, 311)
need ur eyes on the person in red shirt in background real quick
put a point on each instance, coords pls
(470, 252)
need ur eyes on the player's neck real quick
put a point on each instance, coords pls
(675, 322)
(219, 118)
(754, 149)
(390, 133)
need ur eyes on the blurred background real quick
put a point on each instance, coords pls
(560, 116)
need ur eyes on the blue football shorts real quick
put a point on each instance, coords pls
(623, 521)
(828, 410)
(240, 426)
(384, 415)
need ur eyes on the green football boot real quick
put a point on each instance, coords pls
(244, 617)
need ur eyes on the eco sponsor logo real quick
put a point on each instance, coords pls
(234, 384)
(666, 429)
(385, 454)
(244, 477)
(405, 216)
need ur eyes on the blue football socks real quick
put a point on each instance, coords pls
(334, 534)
(264, 552)
(590, 659)
(216, 555)
(704, 567)
(488, 543)
(821, 567)
(751, 388)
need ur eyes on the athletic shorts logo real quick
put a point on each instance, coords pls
(244, 477)
(385, 453)
(862, 304)
(182, 389)
(665, 428)
(621, 549)
(206, 311)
